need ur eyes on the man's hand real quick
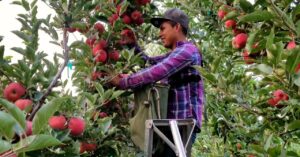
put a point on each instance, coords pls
(117, 79)
(128, 37)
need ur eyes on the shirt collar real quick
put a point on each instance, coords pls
(180, 43)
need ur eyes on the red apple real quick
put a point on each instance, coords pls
(297, 68)
(89, 147)
(114, 55)
(99, 27)
(142, 2)
(247, 58)
(278, 93)
(136, 15)
(102, 44)
(23, 104)
(221, 14)
(90, 41)
(113, 18)
(118, 9)
(71, 30)
(126, 19)
(230, 24)
(76, 126)
(100, 56)
(96, 75)
(240, 41)
(238, 146)
(57, 122)
(14, 91)
(102, 115)
(140, 21)
(28, 128)
(291, 45)
(273, 101)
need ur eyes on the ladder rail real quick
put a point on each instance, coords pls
(177, 138)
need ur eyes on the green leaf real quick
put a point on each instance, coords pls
(22, 36)
(19, 50)
(16, 3)
(257, 16)
(41, 118)
(294, 125)
(210, 77)
(15, 112)
(281, 14)
(296, 11)
(268, 142)
(81, 45)
(33, 3)
(231, 15)
(246, 6)
(4, 146)
(216, 63)
(24, 67)
(251, 40)
(297, 80)
(99, 89)
(116, 94)
(293, 60)
(36, 142)
(257, 148)
(105, 123)
(265, 68)
(7, 125)
(25, 5)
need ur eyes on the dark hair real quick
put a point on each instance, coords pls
(184, 31)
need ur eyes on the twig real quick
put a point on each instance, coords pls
(6, 76)
(282, 18)
(57, 76)
(288, 132)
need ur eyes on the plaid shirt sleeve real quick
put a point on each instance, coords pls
(178, 59)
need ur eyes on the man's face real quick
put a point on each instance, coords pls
(167, 34)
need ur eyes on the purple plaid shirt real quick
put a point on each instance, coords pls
(186, 100)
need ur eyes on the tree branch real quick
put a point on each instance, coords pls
(57, 76)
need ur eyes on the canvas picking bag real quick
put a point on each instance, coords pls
(150, 102)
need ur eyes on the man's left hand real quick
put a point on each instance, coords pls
(117, 79)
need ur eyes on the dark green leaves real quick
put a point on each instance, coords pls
(15, 112)
(36, 142)
(257, 16)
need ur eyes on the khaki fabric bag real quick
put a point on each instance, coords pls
(150, 103)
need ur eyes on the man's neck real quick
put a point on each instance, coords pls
(182, 39)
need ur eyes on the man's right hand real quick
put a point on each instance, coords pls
(128, 37)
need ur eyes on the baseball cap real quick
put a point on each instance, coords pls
(175, 15)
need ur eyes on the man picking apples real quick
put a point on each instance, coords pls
(186, 94)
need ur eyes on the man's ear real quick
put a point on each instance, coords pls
(178, 27)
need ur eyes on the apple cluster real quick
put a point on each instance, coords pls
(240, 38)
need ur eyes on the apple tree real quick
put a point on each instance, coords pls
(41, 117)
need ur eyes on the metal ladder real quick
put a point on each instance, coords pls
(181, 146)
